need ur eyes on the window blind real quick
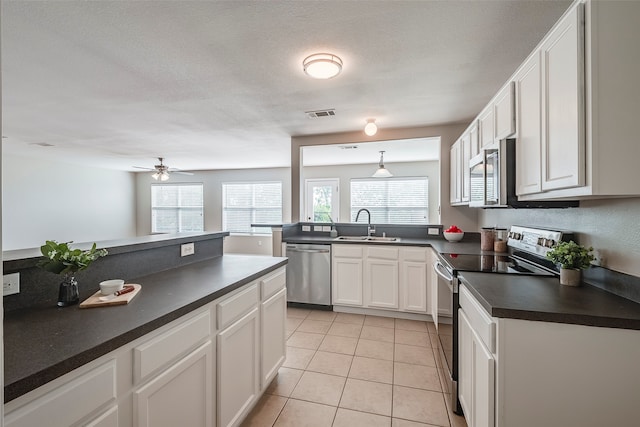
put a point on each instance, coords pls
(391, 201)
(249, 203)
(176, 208)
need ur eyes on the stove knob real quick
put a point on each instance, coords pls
(541, 241)
(551, 243)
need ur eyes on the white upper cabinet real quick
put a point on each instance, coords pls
(486, 133)
(455, 181)
(505, 123)
(465, 155)
(528, 109)
(563, 144)
(588, 66)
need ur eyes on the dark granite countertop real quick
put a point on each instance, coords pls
(469, 246)
(45, 343)
(545, 299)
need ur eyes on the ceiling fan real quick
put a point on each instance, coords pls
(161, 172)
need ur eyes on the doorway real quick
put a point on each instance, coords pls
(322, 200)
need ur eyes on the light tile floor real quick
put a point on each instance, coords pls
(353, 370)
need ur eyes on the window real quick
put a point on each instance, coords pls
(176, 208)
(391, 201)
(249, 203)
(322, 203)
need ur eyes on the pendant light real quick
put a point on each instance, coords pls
(371, 128)
(382, 172)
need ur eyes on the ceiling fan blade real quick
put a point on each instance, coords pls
(140, 167)
(182, 172)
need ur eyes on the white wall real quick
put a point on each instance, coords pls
(44, 200)
(409, 169)
(609, 225)
(212, 183)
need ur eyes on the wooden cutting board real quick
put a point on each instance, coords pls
(94, 300)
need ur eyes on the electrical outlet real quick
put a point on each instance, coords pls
(306, 228)
(326, 228)
(317, 228)
(187, 249)
(433, 231)
(259, 242)
(11, 284)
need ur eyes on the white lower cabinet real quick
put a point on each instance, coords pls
(414, 283)
(476, 376)
(273, 324)
(523, 373)
(381, 277)
(207, 368)
(76, 398)
(346, 275)
(238, 377)
(181, 395)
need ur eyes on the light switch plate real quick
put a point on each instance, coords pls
(11, 284)
(326, 228)
(187, 249)
(317, 228)
(306, 228)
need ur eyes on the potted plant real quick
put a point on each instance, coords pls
(573, 258)
(59, 258)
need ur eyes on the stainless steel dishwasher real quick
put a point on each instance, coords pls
(309, 274)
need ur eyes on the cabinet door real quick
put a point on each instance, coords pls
(503, 112)
(483, 370)
(486, 127)
(346, 279)
(413, 283)
(181, 395)
(473, 139)
(465, 366)
(273, 326)
(108, 418)
(529, 127)
(238, 365)
(563, 148)
(455, 193)
(465, 155)
(381, 283)
(432, 286)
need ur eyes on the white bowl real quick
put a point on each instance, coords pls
(110, 286)
(453, 237)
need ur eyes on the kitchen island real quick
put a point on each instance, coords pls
(182, 336)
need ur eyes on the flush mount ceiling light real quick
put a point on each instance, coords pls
(322, 65)
(371, 128)
(382, 172)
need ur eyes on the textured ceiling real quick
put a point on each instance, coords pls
(212, 85)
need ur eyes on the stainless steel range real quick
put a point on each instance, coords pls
(526, 256)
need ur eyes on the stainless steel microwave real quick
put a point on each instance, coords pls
(487, 179)
(492, 180)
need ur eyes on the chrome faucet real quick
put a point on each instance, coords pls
(370, 230)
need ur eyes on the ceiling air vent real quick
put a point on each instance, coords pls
(320, 113)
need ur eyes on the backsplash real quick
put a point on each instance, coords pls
(609, 225)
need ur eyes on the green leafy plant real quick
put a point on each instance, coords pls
(571, 255)
(61, 259)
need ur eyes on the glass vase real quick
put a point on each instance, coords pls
(68, 292)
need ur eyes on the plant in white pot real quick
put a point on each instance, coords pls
(573, 258)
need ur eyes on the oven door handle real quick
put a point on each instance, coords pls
(442, 272)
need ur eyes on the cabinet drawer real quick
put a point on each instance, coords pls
(414, 254)
(237, 305)
(347, 251)
(273, 283)
(71, 402)
(166, 347)
(382, 252)
(480, 321)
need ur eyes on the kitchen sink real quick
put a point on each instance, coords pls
(367, 239)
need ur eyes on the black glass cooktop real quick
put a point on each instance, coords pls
(492, 264)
